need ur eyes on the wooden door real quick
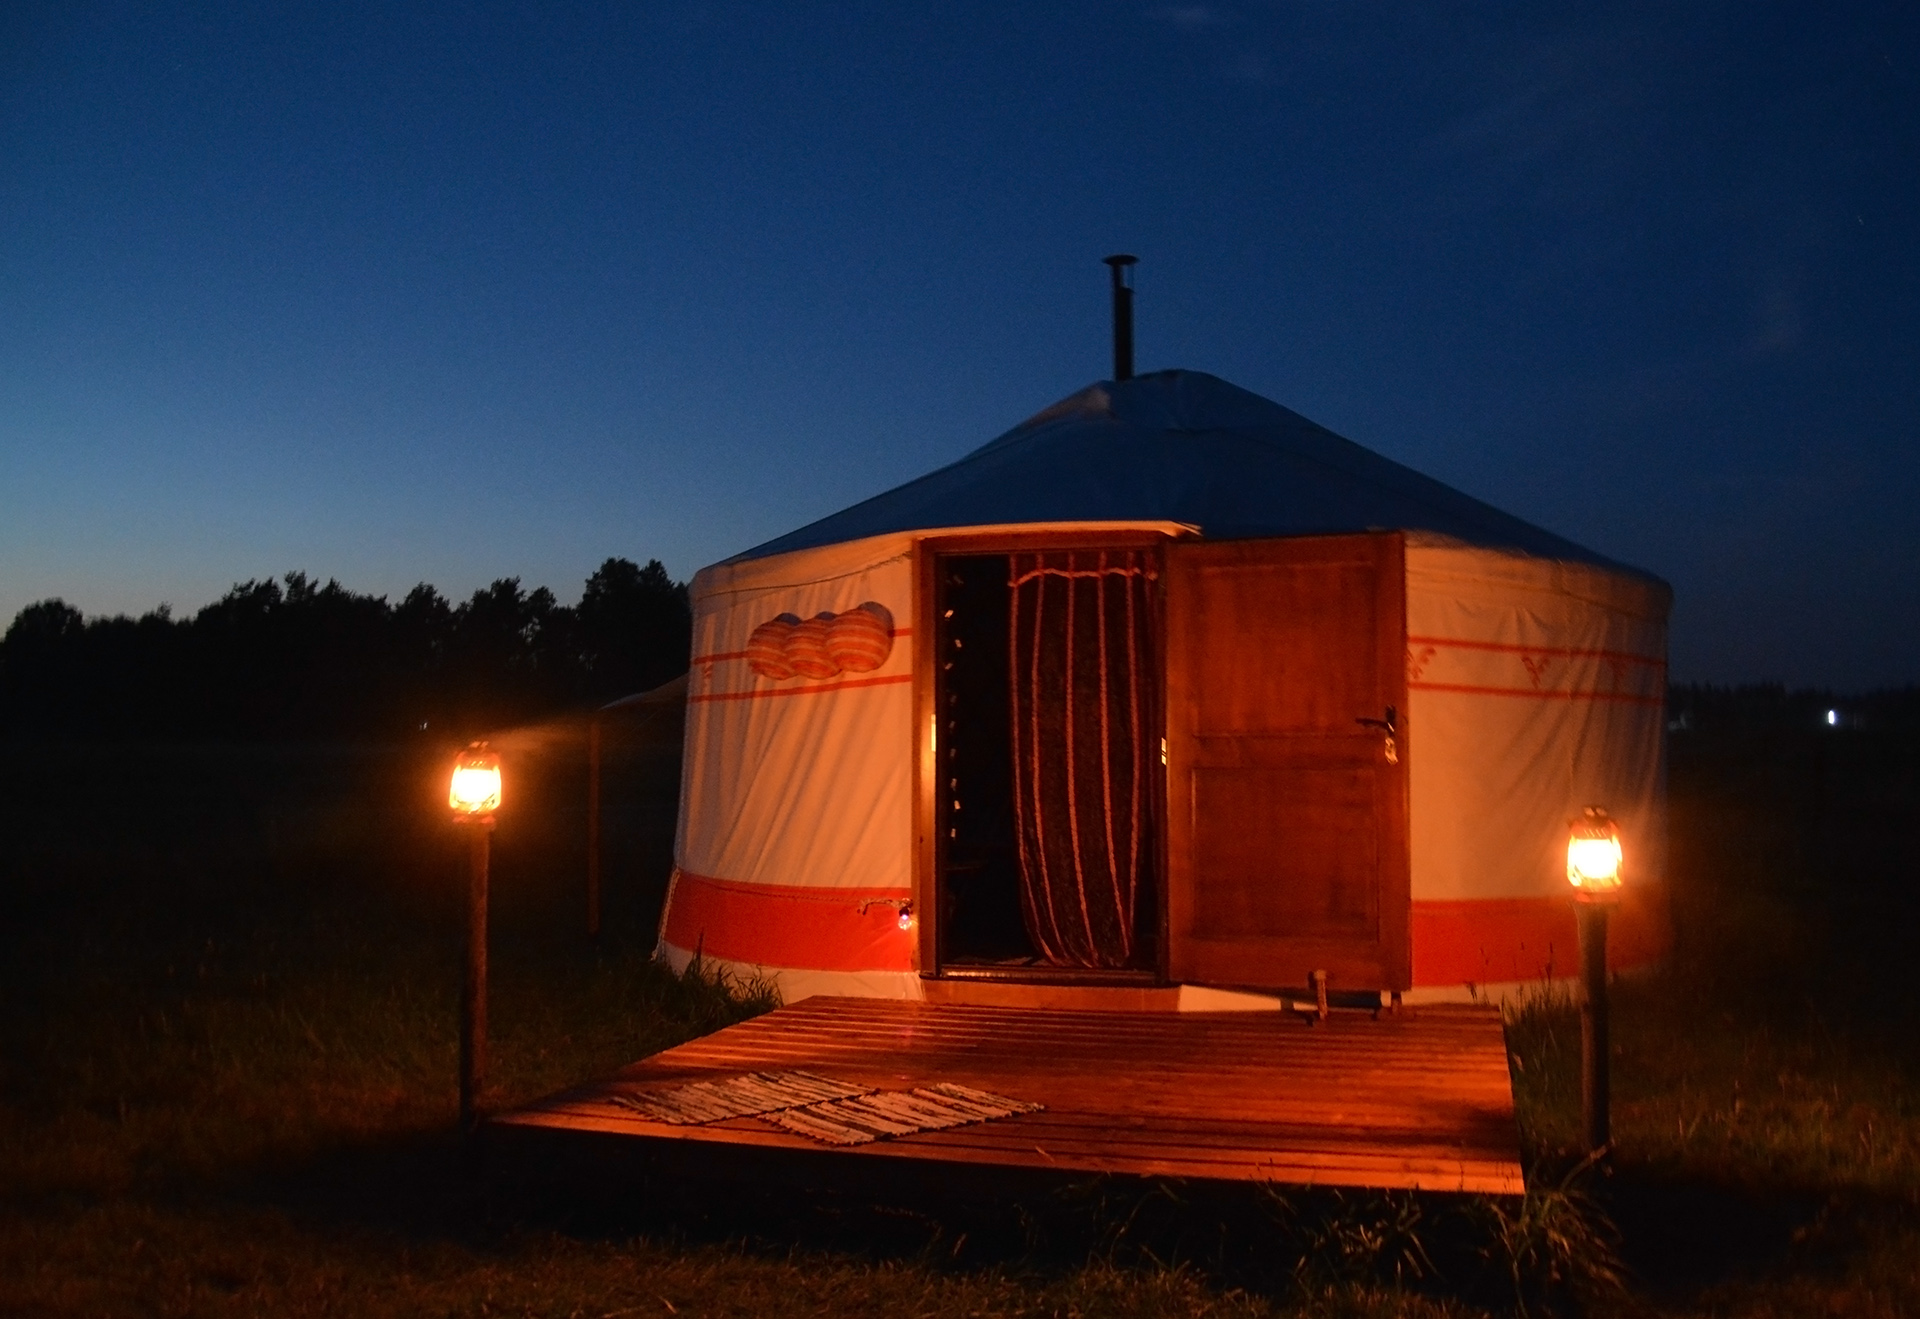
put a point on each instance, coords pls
(1286, 795)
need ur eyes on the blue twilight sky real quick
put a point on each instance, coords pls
(411, 291)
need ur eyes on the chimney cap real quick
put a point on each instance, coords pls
(1119, 259)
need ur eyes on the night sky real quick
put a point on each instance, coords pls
(408, 292)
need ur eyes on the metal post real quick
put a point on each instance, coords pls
(1594, 1079)
(473, 997)
(593, 828)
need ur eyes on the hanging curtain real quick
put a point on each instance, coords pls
(1083, 742)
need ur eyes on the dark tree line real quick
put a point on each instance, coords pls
(296, 659)
(1771, 707)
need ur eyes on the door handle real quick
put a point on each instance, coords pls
(1388, 726)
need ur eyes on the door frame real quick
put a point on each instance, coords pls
(929, 851)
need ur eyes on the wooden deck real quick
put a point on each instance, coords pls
(1420, 1101)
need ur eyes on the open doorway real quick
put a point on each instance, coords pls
(1046, 686)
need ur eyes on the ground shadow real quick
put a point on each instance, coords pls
(497, 1194)
(1682, 1235)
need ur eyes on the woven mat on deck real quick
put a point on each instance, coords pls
(879, 1114)
(738, 1096)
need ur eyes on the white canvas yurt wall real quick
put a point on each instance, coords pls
(795, 801)
(1533, 684)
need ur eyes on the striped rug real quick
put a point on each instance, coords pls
(737, 1096)
(880, 1114)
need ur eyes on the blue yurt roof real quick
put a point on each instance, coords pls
(1181, 446)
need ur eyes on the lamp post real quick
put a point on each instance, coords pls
(593, 827)
(1593, 869)
(474, 796)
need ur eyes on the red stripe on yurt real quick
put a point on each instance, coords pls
(801, 691)
(818, 929)
(1501, 940)
(1510, 648)
(1631, 698)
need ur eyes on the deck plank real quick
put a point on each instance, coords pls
(1421, 1101)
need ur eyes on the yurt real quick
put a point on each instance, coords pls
(1166, 689)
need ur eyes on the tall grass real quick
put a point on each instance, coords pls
(227, 1059)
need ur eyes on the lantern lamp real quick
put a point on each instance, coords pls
(1594, 862)
(474, 796)
(475, 791)
(1594, 856)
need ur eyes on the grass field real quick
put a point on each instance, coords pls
(228, 980)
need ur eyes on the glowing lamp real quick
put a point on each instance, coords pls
(474, 795)
(902, 907)
(475, 791)
(1593, 855)
(1593, 868)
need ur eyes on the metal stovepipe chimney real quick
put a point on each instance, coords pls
(1122, 267)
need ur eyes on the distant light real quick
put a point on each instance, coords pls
(475, 791)
(1594, 856)
(1833, 719)
(906, 916)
